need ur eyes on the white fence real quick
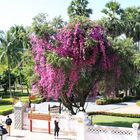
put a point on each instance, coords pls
(110, 133)
(76, 126)
(71, 126)
(67, 123)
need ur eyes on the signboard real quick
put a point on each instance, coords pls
(55, 109)
(39, 116)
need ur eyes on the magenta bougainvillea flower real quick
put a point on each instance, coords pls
(61, 58)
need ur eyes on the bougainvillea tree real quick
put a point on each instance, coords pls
(70, 63)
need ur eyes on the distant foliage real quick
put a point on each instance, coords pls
(4, 80)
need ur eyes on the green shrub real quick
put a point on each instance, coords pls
(108, 101)
(105, 101)
(6, 101)
(6, 111)
(37, 101)
(129, 98)
(19, 94)
(114, 114)
(138, 103)
(120, 95)
(101, 101)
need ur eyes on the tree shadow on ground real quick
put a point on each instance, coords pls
(17, 136)
(65, 139)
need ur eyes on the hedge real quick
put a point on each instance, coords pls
(6, 111)
(104, 101)
(114, 114)
(138, 103)
(6, 101)
(37, 101)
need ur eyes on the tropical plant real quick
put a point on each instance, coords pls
(126, 51)
(112, 21)
(79, 8)
(12, 48)
(4, 77)
(8, 54)
(131, 19)
(70, 63)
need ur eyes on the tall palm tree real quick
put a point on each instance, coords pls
(79, 8)
(22, 43)
(131, 19)
(12, 48)
(111, 21)
(7, 40)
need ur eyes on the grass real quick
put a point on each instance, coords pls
(114, 121)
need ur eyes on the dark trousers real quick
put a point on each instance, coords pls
(56, 133)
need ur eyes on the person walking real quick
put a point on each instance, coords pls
(56, 129)
(8, 124)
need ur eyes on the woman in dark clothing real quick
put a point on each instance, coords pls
(56, 129)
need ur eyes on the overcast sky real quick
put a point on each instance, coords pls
(22, 11)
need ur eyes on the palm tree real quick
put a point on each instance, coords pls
(79, 8)
(7, 42)
(112, 21)
(131, 19)
(12, 48)
(22, 43)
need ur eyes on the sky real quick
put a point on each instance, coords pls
(21, 12)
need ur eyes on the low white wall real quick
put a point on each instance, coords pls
(76, 126)
(67, 123)
(109, 133)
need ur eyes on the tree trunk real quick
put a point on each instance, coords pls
(27, 89)
(9, 77)
(67, 103)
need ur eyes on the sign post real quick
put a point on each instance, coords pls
(40, 116)
(49, 123)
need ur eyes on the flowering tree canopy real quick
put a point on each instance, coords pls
(71, 62)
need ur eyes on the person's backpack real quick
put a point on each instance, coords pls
(8, 121)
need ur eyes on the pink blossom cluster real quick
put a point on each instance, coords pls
(87, 47)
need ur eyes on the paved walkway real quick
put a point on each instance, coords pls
(130, 109)
(90, 106)
(35, 135)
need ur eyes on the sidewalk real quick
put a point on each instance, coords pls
(35, 135)
(130, 109)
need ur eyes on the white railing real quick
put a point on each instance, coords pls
(109, 133)
(67, 123)
(77, 125)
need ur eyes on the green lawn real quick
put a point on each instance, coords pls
(114, 121)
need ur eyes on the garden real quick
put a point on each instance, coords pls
(70, 61)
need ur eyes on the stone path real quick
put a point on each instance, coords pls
(35, 135)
